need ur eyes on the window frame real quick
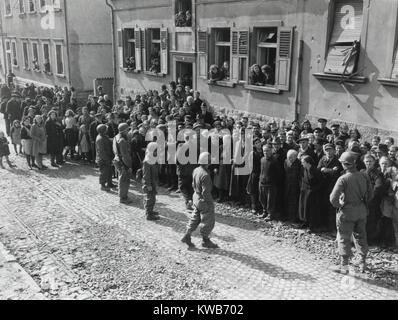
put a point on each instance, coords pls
(126, 43)
(14, 53)
(59, 44)
(149, 43)
(26, 57)
(33, 43)
(23, 12)
(9, 64)
(9, 2)
(48, 43)
(34, 6)
(176, 9)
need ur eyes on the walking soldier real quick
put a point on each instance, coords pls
(351, 195)
(123, 162)
(203, 202)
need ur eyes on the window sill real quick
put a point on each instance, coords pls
(37, 70)
(130, 70)
(184, 29)
(222, 83)
(154, 74)
(8, 15)
(47, 73)
(58, 75)
(339, 78)
(266, 89)
(388, 82)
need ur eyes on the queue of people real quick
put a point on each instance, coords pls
(295, 167)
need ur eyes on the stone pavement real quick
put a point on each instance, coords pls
(15, 283)
(50, 219)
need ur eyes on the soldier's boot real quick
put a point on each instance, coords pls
(187, 240)
(188, 205)
(105, 188)
(152, 217)
(207, 243)
(343, 267)
(10, 164)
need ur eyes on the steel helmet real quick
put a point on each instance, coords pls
(348, 158)
(101, 129)
(204, 158)
(123, 127)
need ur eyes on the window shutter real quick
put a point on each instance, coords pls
(143, 48)
(239, 54)
(395, 67)
(203, 42)
(138, 53)
(284, 58)
(335, 60)
(164, 51)
(120, 35)
(348, 20)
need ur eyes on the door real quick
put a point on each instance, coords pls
(184, 70)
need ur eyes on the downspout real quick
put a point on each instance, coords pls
(5, 64)
(67, 44)
(113, 47)
(299, 66)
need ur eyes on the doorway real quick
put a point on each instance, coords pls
(184, 70)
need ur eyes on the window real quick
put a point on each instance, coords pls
(46, 57)
(56, 4)
(183, 13)
(60, 59)
(35, 56)
(129, 49)
(21, 6)
(222, 49)
(42, 4)
(344, 44)
(266, 53)
(32, 5)
(8, 10)
(153, 50)
(8, 55)
(25, 55)
(14, 54)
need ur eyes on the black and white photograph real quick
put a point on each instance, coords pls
(210, 152)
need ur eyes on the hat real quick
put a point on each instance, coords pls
(101, 129)
(340, 143)
(98, 115)
(328, 146)
(322, 120)
(50, 112)
(336, 125)
(216, 123)
(303, 139)
(348, 158)
(123, 127)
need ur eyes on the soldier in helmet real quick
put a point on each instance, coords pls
(104, 156)
(351, 196)
(203, 204)
(123, 161)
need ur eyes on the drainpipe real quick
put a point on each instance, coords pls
(5, 65)
(299, 65)
(113, 47)
(67, 43)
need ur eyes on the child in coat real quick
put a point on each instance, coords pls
(16, 136)
(4, 150)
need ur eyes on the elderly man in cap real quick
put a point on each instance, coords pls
(204, 211)
(104, 157)
(305, 149)
(351, 196)
(123, 161)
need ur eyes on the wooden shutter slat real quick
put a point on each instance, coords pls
(202, 41)
(284, 58)
(164, 46)
(342, 16)
(395, 68)
(244, 42)
(203, 53)
(235, 43)
(138, 50)
(119, 38)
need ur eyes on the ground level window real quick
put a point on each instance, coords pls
(32, 6)
(46, 57)
(60, 59)
(35, 57)
(14, 54)
(25, 55)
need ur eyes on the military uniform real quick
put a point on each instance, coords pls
(150, 181)
(351, 195)
(123, 163)
(204, 211)
(104, 157)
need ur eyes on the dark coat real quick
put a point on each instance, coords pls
(252, 184)
(104, 150)
(54, 137)
(255, 78)
(309, 204)
(13, 110)
(292, 189)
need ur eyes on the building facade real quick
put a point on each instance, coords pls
(334, 59)
(56, 42)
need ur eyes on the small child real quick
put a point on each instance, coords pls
(4, 150)
(16, 136)
(84, 144)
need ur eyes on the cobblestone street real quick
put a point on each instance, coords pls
(79, 243)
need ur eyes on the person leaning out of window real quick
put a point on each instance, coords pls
(215, 74)
(261, 76)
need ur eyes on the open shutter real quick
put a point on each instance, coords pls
(395, 67)
(143, 44)
(348, 20)
(284, 58)
(120, 47)
(138, 53)
(239, 54)
(164, 51)
(203, 42)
